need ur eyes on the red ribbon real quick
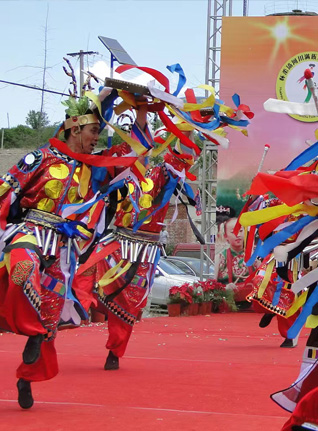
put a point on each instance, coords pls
(250, 243)
(90, 159)
(97, 256)
(162, 79)
(291, 191)
(190, 97)
(174, 129)
(269, 227)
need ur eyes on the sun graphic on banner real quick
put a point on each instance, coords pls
(283, 34)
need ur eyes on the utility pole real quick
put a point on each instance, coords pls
(81, 57)
(45, 58)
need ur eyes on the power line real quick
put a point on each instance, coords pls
(34, 88)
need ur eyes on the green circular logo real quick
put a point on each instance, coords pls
(291, 83)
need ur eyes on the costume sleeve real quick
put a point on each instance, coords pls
(14, 182)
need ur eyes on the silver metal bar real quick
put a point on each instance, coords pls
(151, 252)
(106, 237)
(137, 250)
(310, 248)
(122, 247)
(154, 254)
(13, 232)
(132, 251)
(314, 256)
(47, 242)
(126, 249)
(69, 247)
(54, 244)
(43, 236)
(143, 257)
(38, 236)
(76, 246)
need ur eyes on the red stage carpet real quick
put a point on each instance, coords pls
(184, 373)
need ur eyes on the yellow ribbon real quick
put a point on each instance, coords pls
(4, 188)
(262, 216)
(162, 147)
(244, 131)
(134, 144)
(122, 107)
(84, 177)
(295, 270)
(267, 276)
(299, 302)
(27, 238)
(111, 275)
(312, 321)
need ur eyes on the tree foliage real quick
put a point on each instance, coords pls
(37, 120)
(24, 137)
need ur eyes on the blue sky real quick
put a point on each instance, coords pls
(155, 33)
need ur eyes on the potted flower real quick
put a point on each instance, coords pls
(179, 297)
(215, 292)
(197, 299)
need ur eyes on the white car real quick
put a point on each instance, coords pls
(192, 265)
(167, 275)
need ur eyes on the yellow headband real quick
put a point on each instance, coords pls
(80, 120)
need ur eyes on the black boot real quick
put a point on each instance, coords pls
(266, 320)
(31, 352)
(25, 398)
(288, 342)
(112, 362)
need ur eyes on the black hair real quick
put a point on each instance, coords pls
(67, 133)
(223, 214)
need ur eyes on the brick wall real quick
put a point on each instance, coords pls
(180, 231)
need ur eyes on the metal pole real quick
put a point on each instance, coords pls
(112, 58)
(81, 57)
(2, 139)
(207, 68)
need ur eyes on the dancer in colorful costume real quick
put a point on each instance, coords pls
(123, 279)
(288, 234)
(40, 245)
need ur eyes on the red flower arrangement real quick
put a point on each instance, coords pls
(180, 294)
(203, 291)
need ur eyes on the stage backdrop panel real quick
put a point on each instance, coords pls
(262, 58)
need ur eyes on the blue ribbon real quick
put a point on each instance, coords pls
(70, 229)
(115, 186)
(277, 292)
(134, 203)
(98, 176)
(182, 78)
(142, 137)
(188, 190)
(107, 107)
(69, 293)
(307, 155)
(168, 192)
(263, 249)
(301, 319)
(239, 123)
(236, 100)
(155, 264)
(212, 125)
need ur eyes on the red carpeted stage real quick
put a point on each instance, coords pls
(184, 373)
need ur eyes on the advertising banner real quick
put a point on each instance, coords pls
(261, 58)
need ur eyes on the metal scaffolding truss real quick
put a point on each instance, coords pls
(220, 8)
(210, 155)
(208, 197)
